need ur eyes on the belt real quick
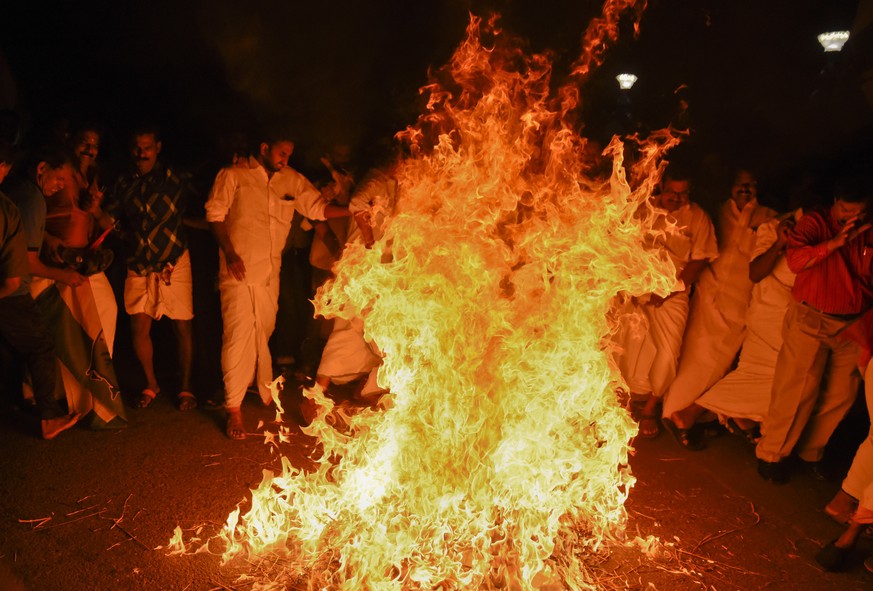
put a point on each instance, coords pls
(828, 314)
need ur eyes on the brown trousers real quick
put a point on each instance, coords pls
(804, 411)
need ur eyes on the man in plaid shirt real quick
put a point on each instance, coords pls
(147, 206)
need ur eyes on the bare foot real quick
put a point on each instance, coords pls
(187, 401)
(235, 427)
(52, 427)
(842, 507)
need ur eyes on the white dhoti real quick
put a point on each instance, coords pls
(859, 480)
(348, 356)
(745, 392)
(249, 316)
(649, 344)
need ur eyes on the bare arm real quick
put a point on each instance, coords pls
(692, 271)
(40, 269)
(763, 264)
(336, 211)
(688, 275)
(362, 219)
(232, 260)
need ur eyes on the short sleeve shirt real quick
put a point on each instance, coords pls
(29, 199)
(13, 246)
(258, 209)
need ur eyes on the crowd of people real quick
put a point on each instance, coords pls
(766, 331)
(277, 237)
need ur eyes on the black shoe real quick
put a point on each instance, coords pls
(820, 471)
(772, 471)
(832, 558)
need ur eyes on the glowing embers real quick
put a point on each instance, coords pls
(502, 456)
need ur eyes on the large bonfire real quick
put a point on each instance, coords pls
(500, 461)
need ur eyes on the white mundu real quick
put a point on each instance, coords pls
(651, 336)
(745, 392)
(257, 210)
(717, 322)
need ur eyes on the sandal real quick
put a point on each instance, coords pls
(146, 397)
(687, 438)
(751, 435)
(654, 427)
(235, 428)
(187, 401)
(832, 558)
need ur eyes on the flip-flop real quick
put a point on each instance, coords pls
(684, 437)
(146, 397)
(751, 435)
(187, 401)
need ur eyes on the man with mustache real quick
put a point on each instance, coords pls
(816, 378)
(648, 358)
(147, 205)
(250, 209)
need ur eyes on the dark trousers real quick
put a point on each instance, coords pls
(24, 332)
(295, 310)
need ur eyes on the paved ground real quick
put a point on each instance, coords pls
(87, 510)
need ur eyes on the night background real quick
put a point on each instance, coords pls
(758, 85)
(757, 81)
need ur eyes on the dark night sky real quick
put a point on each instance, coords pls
(350, 70)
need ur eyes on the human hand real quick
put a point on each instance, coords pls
(51, 245)
(783, 230)
(847, 233)
(235, 265)
(72, 278)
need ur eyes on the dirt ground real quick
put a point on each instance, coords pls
(87, 510)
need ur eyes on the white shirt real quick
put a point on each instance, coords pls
(258, 210)
(686, 234)
(377, 194)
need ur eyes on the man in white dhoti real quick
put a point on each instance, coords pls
(648, 351)
(250, 210)
(348, 356)
(742, 397)
(717, 321)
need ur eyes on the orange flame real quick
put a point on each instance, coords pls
(502, 457)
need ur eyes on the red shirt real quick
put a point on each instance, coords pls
(836, 283)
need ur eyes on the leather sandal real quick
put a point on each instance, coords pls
(146, 397)
(684, 437)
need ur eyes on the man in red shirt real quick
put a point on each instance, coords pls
(831, 252)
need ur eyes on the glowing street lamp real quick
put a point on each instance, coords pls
(834, 40)
(626, 81)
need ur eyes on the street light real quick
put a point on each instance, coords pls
(626, 81)
(834, 40)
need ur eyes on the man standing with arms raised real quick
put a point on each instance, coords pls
(250, 209)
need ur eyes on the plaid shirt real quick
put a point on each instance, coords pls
(149, 211)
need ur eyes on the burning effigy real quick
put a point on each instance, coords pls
(500, 457)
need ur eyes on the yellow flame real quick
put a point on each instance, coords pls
(502, 457)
